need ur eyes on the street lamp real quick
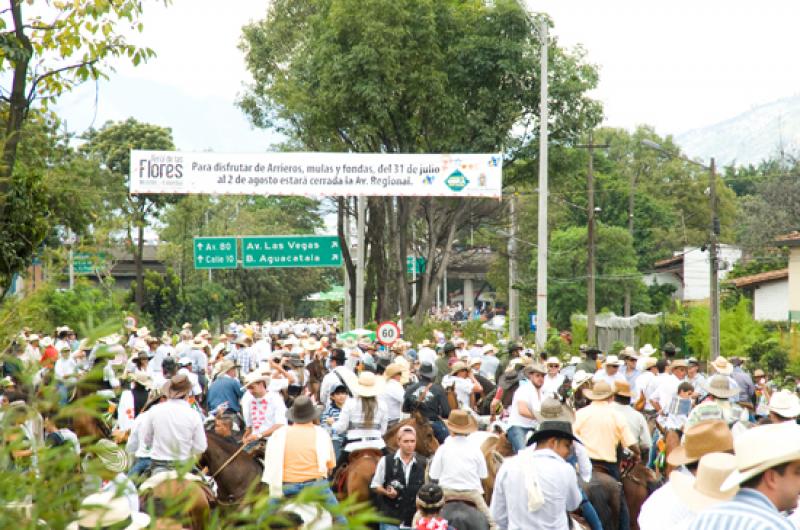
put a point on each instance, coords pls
(713, 244)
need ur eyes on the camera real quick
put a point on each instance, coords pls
(397, 485)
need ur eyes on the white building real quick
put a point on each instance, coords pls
(689, 272)
(769, 292)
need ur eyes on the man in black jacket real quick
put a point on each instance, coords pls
(430, 399)
(398, 478)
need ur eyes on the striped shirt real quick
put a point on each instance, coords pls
(748, 510)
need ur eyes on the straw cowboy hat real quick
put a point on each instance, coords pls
(105, 510)
(700, 439)
(679, 363)
(649, 362)
(720, 386)
(461, 422)
(622, 388)
(553, 360)
(199, 343)
(368, 385)
(475, 361)
(628, 353)
(785, 404)
(647, 350)
(302, 410)
(575, 360)
(722, 366)
(703, 490)
(310, 345)
(143, 378)
(255, 377)
(458, 367)
(612, 360)
(33, 338)
(534, 368)
(761, 448)
(113, 457)
(599, 392)
(178, 387)
(553, 410)
(393, 370)
(580, 378)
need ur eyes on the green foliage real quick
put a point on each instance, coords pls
(739, 331)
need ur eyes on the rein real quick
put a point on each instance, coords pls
(228, 461)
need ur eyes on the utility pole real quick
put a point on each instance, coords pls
(360, 256)
(541, 255)
(631, 196)
(714, 261)
(590, 252)
(513, 294)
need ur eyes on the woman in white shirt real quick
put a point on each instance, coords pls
(364, 418)
(463, 382)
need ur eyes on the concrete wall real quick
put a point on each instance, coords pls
(794, 280)
(771, 301)
(696, 274)
(664, 278)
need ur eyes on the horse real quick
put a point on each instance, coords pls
(234, 471)
(355, 478)
(160, 492)
(86, 411)
(638, 482)
(488, 444)
(427, 444)
(604, 493)
(464, 516)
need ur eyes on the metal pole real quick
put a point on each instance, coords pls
(71, 268)
(513, 299)
(590, 304)
(208, 233)
(348, 302)
(714, 261)
(541, 260)
(445, 299)
(631, 199)
(362, 212)
(413, 266)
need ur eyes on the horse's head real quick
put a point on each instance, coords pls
(427, 444)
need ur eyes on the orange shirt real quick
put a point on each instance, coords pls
(300, 456)
(601, 428)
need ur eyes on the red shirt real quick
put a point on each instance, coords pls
(49, 357)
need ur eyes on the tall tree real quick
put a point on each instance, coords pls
(111, 146)
(408, 76)
(45, 50)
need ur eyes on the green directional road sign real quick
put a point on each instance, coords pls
(420, 265)
(88, 262)
(291, 251)
(215, 253)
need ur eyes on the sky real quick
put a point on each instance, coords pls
(677, 65)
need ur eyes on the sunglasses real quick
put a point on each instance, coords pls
(553, 365)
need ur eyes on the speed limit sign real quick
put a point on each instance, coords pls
(388, 333)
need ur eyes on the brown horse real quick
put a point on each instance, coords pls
(239, 474)
(637, 483)
(489, 443)
(427, 444)
(605, 495)
(355, 478)
(181, 499)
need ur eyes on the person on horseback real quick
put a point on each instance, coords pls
(398, 478)
(331, 414)
(339, 374)
(174, 432)
(537, 487)
(459, 465)
(225, 390)
(527, 401)
(264, 412)
(429, 399)
(364, 418)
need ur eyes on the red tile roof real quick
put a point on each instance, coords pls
(791, 239)
(761, 277)
(674, 260)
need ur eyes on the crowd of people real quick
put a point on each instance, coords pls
(720, 445)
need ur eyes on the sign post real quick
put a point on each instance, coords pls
(388, 332)
(215, 253)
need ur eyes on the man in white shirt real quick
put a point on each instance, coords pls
(536, 488)
(668, 389)
(174, 430)
(610, 371)
(636, 421)
(426, 354)
(393, 393)
(65, 371)
(263, 413)
(459, 465)
(628, 370)
(339, 375)
(526, 402)
(463, 382)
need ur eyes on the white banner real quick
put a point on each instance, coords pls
(317, 174)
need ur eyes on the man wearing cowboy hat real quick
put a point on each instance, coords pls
(665, 507)
(300, 456)
(459, 465)
(393, 393)
(339, 374)
(243, 355)
(668, 389)
(174, 431)
(784, 407)
(463, 382)
(553, 379)
(537, 487)
(225, 389)
(264, 412)
(718, 406)
(629, 370)
(526, 402)
(747, 389)
(768, 475)
(610, 371)
(429, 399)
(589, 364)
(489, 362)
(364, 418)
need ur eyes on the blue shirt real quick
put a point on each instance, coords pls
(225, 388)
(331, 411)
(749, 509)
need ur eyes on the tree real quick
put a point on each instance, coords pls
(410, 76)
(110, 147)
(42, 55)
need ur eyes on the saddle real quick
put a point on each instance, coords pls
(339, 479)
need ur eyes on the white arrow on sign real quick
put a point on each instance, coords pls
(200, 259)
(199, 246)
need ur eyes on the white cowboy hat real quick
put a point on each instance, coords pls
(581, 377)
(629, 352)
(575, 360)
(33, 338)
(255, 377)
(368, 385)
(489, 348)
(722, 366)
(143, 332)
(761, 448)
(553, 360)
(703, 490)
(647, 350)
(104, 509)
(612, 360)
(46, 342)
(785, 403)
(720, 386)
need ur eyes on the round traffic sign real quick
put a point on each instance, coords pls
(388, 332)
